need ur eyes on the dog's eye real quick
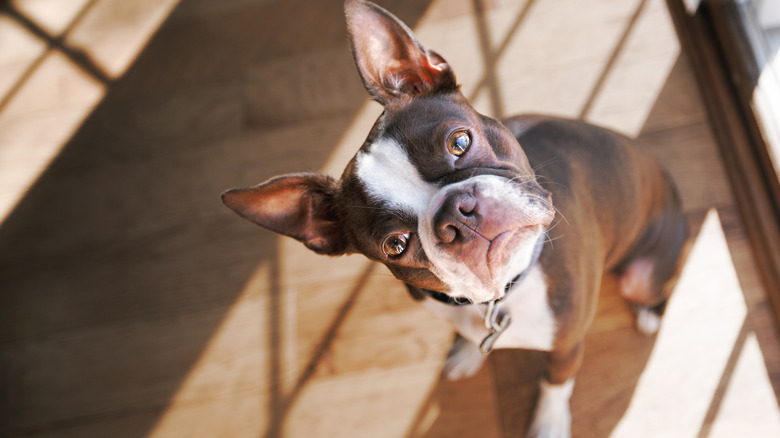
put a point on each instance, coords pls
(459, 142)
(395, 244)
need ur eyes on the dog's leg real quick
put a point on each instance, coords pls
(637, 286)
(648, 277)
(552, 418)
(463, 360)
(647, 282)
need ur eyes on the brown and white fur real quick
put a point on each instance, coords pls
(454, 202)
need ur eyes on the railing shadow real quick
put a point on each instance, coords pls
(120, 263)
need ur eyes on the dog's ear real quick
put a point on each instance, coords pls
(391, 62)
(300, 206)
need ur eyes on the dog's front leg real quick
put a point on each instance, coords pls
(552, 418)
(464, 359)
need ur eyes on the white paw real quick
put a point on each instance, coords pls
(463, 360)
(647, 321)
(553, 418)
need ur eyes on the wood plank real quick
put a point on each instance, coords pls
(134, 304)
(754, 198)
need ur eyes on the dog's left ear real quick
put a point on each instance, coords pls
(391, 62)
(297, 205)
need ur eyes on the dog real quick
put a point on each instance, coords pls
(521, 218)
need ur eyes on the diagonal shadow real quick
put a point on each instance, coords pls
(78, 57)
(656, 135)
(723, 384)
(596, 89)
(281, 403)
(120, 262)
(490, 57)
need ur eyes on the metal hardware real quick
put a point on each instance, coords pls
(496, 322)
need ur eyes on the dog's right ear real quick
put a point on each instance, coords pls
(391, 62)
(300, 206)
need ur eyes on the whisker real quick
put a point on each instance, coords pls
(545, 163)
(477, 310)
(419, 251)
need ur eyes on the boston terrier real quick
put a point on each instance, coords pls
(505, 229)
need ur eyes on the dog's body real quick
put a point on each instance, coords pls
(460, 208)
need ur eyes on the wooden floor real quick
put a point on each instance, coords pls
(133, 304)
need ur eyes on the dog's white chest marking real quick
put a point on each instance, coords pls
(533, 322)
(390, 177)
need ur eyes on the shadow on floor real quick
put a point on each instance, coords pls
(120, 262)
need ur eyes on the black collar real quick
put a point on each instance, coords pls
(446, 299)
(460, 301)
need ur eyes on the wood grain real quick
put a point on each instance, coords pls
(133, 304)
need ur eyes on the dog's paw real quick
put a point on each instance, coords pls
(648, 321)
(464, 360)
(553, 418)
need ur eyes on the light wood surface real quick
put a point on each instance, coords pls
(133, 304)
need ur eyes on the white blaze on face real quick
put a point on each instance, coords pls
(390, 177)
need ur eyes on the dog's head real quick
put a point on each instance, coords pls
(444, 196)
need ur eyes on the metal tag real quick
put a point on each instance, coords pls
(497, 323)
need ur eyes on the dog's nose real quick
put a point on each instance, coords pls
(456, 219)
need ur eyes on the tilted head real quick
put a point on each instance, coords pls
(440, 194)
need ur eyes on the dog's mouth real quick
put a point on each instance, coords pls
(510, 254)
(481, 234)
(500, 249)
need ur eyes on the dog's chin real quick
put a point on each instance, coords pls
(503, 254)
(509, 256)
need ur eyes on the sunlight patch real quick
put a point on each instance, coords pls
(702, 323)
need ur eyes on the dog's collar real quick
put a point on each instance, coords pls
(458, 301)
(446, 299)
